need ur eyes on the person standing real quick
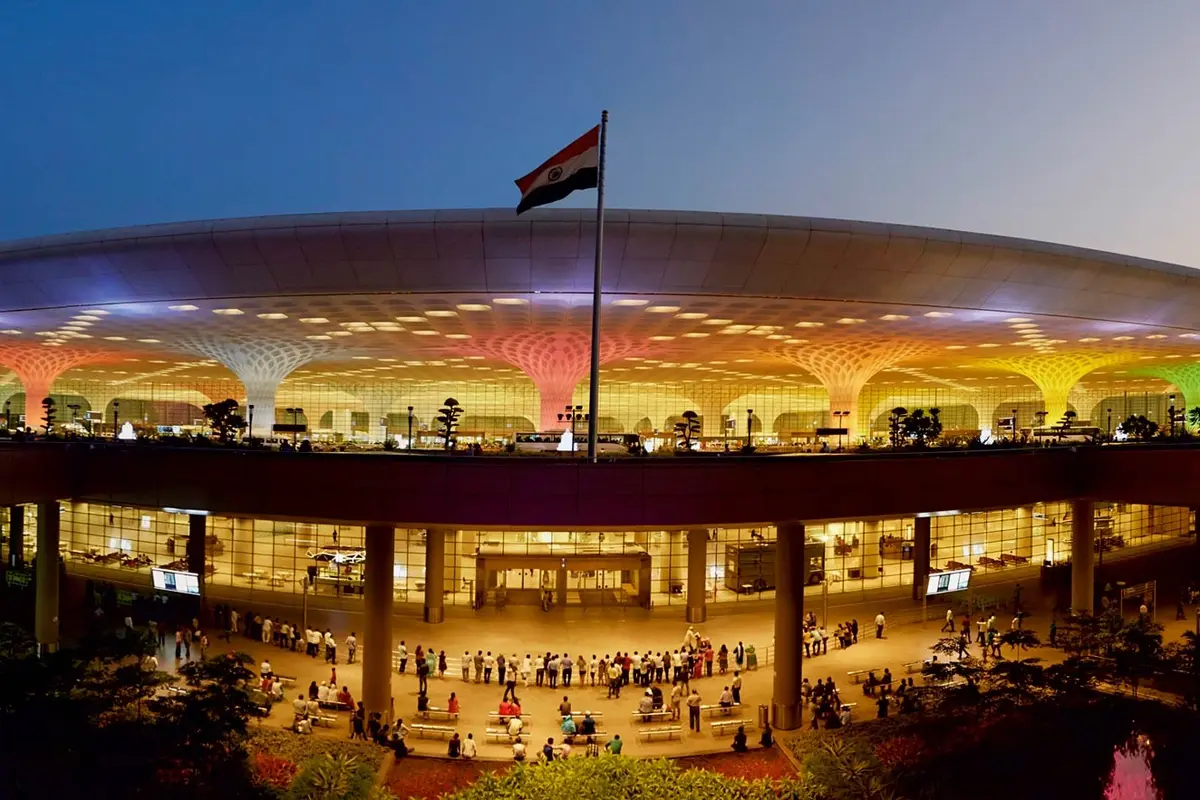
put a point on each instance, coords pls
(422, 676)
(693, 704)
(489, 663)
(402, 656)
(854, 629)
(478, 663)
(441, 664)
(539, 668)
(565, 668)
(1054, 633)
(880, 621)
(949, 625)
(736, 687)
(739, 655)
(351, 647)
(708, 660)
(592, 665)
(676, 696)
(526, 670)
(552, 664)
(501, 668)
(466, 666)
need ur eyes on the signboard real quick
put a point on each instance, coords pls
(946, 582)
(17, 578)
(833, 431)
(169, 580)
(1138, 590)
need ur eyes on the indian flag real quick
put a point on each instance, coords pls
(576, 166)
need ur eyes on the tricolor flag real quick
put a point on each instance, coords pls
(576, 166)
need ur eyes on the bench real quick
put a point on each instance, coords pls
(985, 561)
(665, 732)
(860, 675)
(438, 713)
(665, 713)
(716, 709)
(323, 720)
(728, 726)
(496, 716)
(500, 735)
(286, 680)
(431, 731)
(333, 705)
(578, 715)
(1011, 558)
(913, 666)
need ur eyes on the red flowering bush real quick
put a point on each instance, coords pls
(899, 750)
(273, 771)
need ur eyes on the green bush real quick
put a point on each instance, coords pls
(329, 777)
(299, 749)
(611, 777)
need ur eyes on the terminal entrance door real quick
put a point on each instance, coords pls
(596, 579)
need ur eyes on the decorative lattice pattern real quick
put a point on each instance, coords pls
(37, 367)
(1057, 373)
(1186, 378)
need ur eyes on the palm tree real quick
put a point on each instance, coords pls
(447, 420)
(1193, 418)
(48, 410)
(1020, 639)
(687, 429)
(896, 425)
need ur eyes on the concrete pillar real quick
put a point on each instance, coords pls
(197, 533)
(45, 623)
(1025, 531)
(786, 712)
(560, 587)
(872, 559)
(922, 536)
(435, 575)
(1083, 554)
(697, 541)
(16, 537)
(377, 623)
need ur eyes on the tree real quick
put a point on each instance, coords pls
(959, 676)
(1021, 639)
(1138, 652)
(1018, 677)
(845, 768)
(896, 426)
(1193, 418)
(920, 427)
(1139, 428)
(686, 430)
(447, 420)
(223, 419)
(48, 411)
(1064, 425)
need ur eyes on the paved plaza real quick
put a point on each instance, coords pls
(529, 630)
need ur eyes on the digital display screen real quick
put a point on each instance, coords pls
(168, 580)
(943, 582)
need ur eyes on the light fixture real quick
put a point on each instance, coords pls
(228, 312)
(426, 333)
(115, 338)
(893, 317)
(273, 315)
(691, 315)
(850, 321)
(410, 319)
(473, 307)
(661, 338)
(629, 301)
(810, 324)
(440, 312)
(99, 311)
(314, 320)
(458, 336)
(510, 301)
(938, 314)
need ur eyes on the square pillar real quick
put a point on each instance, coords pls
(196, 541)
(1083, 555)
(16, 537)
(560, 586)
(790, 576)
(45, 621)
(435, 575)
(697, 580)
(922, 536)
(377, 622)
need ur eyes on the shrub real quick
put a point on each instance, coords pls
(609, 777)
(273, 771)
(300, 749)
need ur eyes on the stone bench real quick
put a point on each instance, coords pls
(728, 726)
(334, 705)
(431, 731)
(664, 713)
(496, 716)
(716, 709)
(913, 666)
(860, 675)
(438, 713)
(665, 732)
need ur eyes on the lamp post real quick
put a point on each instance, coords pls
(1110, 423)
(295, 412)
(116, 417)
(7, 415)
(410, 410)
(74, 412)
(749, 427)
(1171, 413)
(841, 422)
(250, 426)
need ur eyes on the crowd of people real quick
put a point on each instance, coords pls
(815, 638)
(283, 634)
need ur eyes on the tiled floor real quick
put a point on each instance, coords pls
(524, 630)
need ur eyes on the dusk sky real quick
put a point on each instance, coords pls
(1071, 121)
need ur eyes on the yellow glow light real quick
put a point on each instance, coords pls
(510, 301)
(661, 309)
(691, 315)
(273, 315)
(893, 317)
(229, 312)
(473, 307)
(629, 301)
(938, 314)
(810, 324)
(444, 312)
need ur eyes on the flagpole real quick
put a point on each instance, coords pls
(594, 382)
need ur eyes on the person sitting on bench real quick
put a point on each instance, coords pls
(726, 698)
(587, 726)
(739, 740)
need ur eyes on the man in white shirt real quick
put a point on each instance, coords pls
(489, 663)
(564, 750)
(323, 693)
(726, 698)
(285, 634)
(264, 669)
(879, 623)
(676, 696)
(266, 631)
(299, 707)
(518, 749)
(949, 625)
(466, 666)
(233, 623)
(330, 647)
(736, 687)
(514, 726)
(468, 747)
(351, 647)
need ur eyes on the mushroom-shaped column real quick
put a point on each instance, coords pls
(556, 361)
(1085, 400)
(844, 366)
(711, 402)
(1186, 378)
(1056, 374)
(260, 365)
(37, 367)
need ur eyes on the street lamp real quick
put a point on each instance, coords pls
(841, 423)
(1171, 413)
(74, 412)
(116, 417)
(295, 412)
(1110, 423)
(573, 414)
(410, 410)
(7, 415)
(1014, 424)
(749, 426)
(250, 424)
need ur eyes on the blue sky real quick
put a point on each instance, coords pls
(1073, 121)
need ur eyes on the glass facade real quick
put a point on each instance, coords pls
(271, 559)
(785, 409)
